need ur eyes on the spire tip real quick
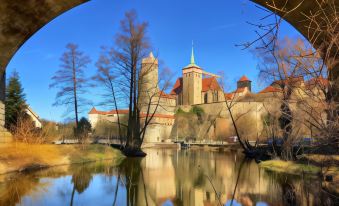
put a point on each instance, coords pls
(192, 55)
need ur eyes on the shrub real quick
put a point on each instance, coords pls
(197, 110)
(25, 131)
(180, 111)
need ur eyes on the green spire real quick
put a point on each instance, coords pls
(192, 63)
(192, 55)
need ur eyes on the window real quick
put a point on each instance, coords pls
(205, 98)
(215, 96)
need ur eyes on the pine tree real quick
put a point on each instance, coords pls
(15, 103)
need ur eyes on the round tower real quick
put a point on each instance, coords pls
(148, 79)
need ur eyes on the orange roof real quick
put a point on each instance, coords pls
(167, 116)
(270, 89)
(113, 111)
(243, 79)
(229, 96)
(210, 84)
(164, 95)
(177, 88)
(317, 81)
(289, 80)
(142, 115)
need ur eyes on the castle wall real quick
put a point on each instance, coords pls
(159, 131)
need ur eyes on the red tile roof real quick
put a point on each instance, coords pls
(142, 115)
(164, 95)
(229, 96)
(177, 88)
(210, 84)
(289, 81)
(321, 81)
(243, 79)
(113, 111)
(237, 91)
(270, 89)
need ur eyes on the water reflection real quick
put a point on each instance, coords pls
(163, 177)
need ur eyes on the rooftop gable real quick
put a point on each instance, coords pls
(270, 89)
(177, 88)
(210, 83)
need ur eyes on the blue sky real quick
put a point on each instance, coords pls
(215, 26)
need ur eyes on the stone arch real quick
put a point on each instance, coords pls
(19, 20)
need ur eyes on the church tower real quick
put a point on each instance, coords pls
(192, 82)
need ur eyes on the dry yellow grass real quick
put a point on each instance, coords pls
(322, 158)
(18, 156)
(289, 167)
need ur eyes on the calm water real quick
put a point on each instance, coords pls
(163, 177)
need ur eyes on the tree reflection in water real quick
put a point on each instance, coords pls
(81, 179)
(175, 177)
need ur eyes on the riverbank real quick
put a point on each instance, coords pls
(290, 167)
(16, 157)
(323, 166)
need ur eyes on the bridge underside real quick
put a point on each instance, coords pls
(19, 20)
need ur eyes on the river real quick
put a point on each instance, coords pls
(163, 177)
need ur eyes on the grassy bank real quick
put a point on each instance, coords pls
(21, 156)
(290, 167)
(319, 165)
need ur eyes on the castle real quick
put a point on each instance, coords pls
(196, 87)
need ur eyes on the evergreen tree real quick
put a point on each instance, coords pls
(84, 125)
(15, 103)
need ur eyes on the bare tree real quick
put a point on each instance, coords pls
(230, 101)
(124, 71)
(317, 98)
(108, 79)
(280, 68)
(70, 80)
(320, 67)
(288, 63)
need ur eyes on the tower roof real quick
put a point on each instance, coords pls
(243, 79)
(192, 54)
(192, 63)
(150, 59)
